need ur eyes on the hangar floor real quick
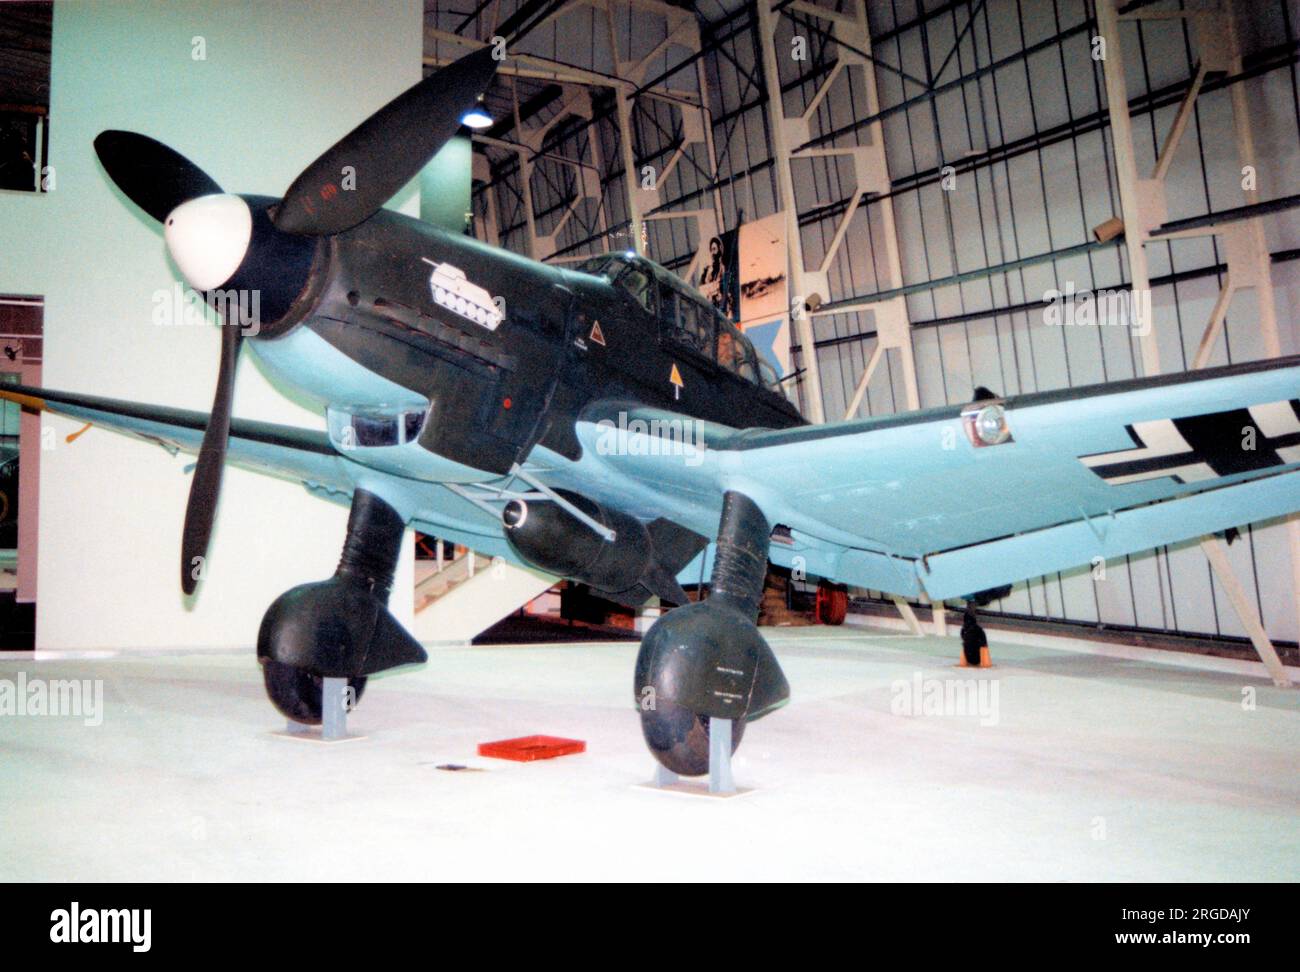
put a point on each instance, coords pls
(1099, 767)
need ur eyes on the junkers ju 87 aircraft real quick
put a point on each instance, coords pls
(508, 406)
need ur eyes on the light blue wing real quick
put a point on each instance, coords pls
(297, 454)
(915, 503)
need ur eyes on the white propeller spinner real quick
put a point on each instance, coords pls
(208, 238)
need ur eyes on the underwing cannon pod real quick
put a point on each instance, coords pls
(626, 560)
(707, 660)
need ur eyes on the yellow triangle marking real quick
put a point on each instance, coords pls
(676, 377)
(597, 334)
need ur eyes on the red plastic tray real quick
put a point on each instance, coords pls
(525, 749)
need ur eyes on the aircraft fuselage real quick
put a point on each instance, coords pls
(507, 351)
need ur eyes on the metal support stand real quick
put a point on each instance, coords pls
(720, 780)
(664, 776)
(334, 716)
(334, 709)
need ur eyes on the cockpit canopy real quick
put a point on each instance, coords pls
(685, 316)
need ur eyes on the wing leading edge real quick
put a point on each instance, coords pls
(287, 452)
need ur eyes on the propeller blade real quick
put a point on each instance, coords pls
(153, 176)
(385, 151)
(201, 509)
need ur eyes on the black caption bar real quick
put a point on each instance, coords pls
(321, 922)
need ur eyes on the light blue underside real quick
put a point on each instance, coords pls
(902, 507)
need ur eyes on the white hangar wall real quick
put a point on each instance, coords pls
(281, 81)
(1030, 142)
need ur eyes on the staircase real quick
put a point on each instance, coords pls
(436, 578)
(463, 594)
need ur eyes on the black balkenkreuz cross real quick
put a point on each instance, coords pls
(1201, 447)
